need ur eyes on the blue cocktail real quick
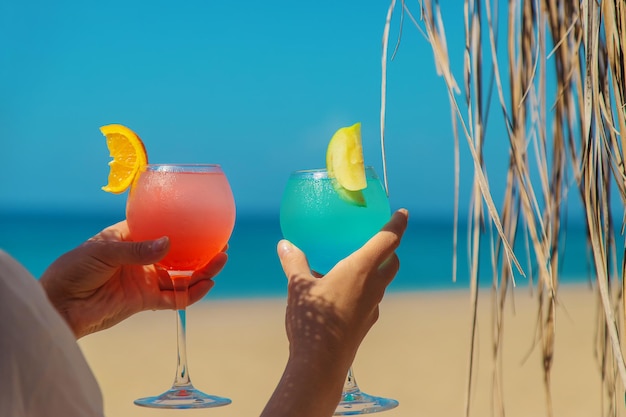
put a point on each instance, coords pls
(329, 223)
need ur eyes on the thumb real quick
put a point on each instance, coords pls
(125, 253)
(292, 259)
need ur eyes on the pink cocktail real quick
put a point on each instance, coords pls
(193, 205)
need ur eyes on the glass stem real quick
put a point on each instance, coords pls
(350, 385)
(180, 281)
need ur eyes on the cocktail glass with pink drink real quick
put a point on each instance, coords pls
(194, 206)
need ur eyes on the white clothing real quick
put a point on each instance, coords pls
(43, 372)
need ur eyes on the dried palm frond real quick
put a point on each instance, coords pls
(577, 143)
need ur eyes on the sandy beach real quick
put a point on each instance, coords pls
(417, 353)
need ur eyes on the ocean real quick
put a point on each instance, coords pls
(253, 269)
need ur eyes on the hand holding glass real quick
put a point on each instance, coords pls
(328, 228)
(194, 206)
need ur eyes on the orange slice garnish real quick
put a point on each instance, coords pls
(129, 157)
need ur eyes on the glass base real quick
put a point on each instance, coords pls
(358, 402)
(181, 398)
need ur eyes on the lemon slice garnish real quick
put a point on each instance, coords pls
(344, 163)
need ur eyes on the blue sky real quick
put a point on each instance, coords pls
(258, 87)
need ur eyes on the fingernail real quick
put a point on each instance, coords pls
(160, 244)
(285, 246)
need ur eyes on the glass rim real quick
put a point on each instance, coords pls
(323, 172)
(182, 167)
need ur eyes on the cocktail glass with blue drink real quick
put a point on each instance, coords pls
(329, 223)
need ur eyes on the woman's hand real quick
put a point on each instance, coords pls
(328, 317)
(109, 278)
